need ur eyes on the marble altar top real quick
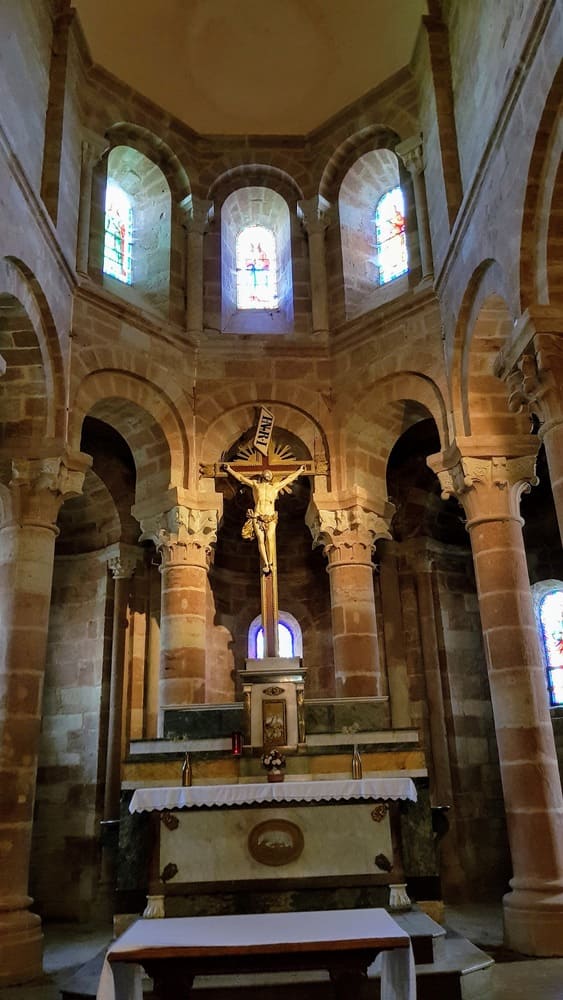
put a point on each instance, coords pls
(339, 790)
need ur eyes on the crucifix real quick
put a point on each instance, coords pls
(269, 472)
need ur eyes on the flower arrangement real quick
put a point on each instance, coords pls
(273, 760)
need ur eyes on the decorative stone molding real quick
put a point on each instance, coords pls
(183, 535)
(489, 488)
(411, 153)
(39, 487)
(347, 534)
(537, 389)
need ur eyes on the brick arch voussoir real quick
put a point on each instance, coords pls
(104, 384)
(17, 280)
(285, 176)
(370, 138)
(543, 204)
(155, 149)
(226, 428)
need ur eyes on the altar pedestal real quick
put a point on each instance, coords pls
(274, 702)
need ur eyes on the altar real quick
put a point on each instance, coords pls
(243, 836)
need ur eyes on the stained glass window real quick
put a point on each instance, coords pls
(256, 269)
(285, 641)
(551, 618)
(118, 233)
(391, 242)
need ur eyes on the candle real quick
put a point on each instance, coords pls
(236, 744)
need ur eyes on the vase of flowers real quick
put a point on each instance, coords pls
(274, 762)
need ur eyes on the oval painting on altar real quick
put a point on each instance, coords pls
(275, 842)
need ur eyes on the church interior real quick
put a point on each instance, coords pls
(281, 460)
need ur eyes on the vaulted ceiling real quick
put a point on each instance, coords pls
(252, 67)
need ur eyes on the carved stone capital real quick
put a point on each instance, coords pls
(39, 486)
(347, 534)
(123, 564)
(411, 153)
(489, 488)
(182, 535)
(197, 214)
(316, 214)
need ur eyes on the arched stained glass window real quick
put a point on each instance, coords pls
(118, 233)
(551, 621)
(256, 269)
(391, 242)
(290, 639)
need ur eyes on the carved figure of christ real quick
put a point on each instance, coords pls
(261, 523)
(262, 518)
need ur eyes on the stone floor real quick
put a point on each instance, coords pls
(69, 946)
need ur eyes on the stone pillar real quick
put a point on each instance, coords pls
(441, 789)
(348, 537)
(122, 568)
(397, 676)
(197, 216)
(410, 152)
(92, 150)
(29, 508)
(489, 490)
(183, 536)
(315, 221)
(536, 381)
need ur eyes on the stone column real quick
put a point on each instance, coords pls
(122, 568)
(441, 789)
(393, 636)
(315, 221)
(92, 150)
(184, 537)
(410, 152)
(489, 489)
(197, 217)
(29, 508)
(348, 537)
(536, 381)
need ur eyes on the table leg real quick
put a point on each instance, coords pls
(349, 981)
(172, 981)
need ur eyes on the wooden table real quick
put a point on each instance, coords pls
(174, 951)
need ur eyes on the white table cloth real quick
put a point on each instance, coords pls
(122, 981)
(177, 797)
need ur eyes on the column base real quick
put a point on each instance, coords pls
(533, 922)
(21, 947)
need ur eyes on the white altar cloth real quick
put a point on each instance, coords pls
(178, 797)
(263, 932)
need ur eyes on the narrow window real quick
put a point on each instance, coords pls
(118, 233)
(256, 269)
(285, 641)
(551, 630)
(391, 242)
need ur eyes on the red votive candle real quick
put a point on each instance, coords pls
(236, 744)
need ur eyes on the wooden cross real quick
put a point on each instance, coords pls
(250, 464)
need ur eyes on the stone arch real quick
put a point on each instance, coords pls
(155, 149)
(37, 392)
(255, 175)
(233, 170)
(541, 264)
(367, 139)
(378, 418)
(485, 321)
(146, 418)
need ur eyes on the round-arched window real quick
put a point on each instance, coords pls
(550, 610)
(391, 241)
(256, 269)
